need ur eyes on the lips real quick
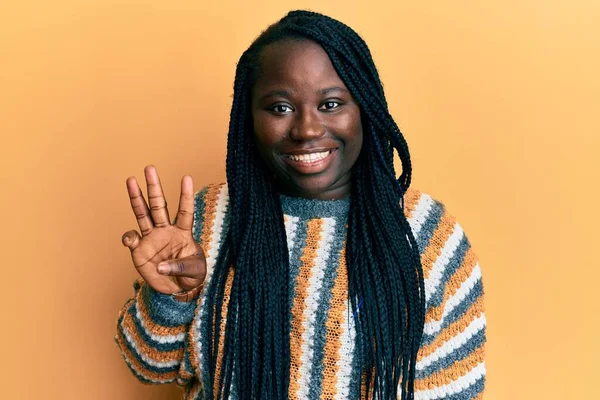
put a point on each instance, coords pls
(309, 157)
(310, 162)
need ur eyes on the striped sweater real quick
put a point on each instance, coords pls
(161, 339)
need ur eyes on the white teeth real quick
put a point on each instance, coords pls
(312, 157)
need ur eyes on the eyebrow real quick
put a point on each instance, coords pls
(287, 93)
(332, 89)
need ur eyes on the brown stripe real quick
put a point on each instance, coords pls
(335, 318)
(299, 303)
(139, 368)
(210, 212)
(145, 348)
(226, 296)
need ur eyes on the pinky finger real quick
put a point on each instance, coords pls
(131, 239)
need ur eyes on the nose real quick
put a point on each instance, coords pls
(307, 126)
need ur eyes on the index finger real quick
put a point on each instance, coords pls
(185, 214)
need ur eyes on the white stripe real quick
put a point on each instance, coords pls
(344, 363)
(315, 286)
(454, 343)
(435, 276)
(453, 387)
(465, 288)
(420, 213)
(128, 361)
(215, 239)
(146, 359)
(291, 226)
(157, 338)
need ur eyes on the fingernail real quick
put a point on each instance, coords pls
(163, 268)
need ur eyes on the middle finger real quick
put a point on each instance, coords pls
(156, 198)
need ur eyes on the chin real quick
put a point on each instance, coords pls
(315, 187)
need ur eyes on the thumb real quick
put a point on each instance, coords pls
(131, 239)
(190, 267)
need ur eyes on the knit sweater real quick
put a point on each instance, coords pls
(161, 339)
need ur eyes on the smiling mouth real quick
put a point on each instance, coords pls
(310, 157)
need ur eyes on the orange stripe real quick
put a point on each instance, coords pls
(210, 212)
(454, 372)
(183, 372)
(335, 318)
(363, 383)
(438, 240)
(411, 199)
(145, 348)
(299, 304)
(153, 327)
(139, 368)
(125, 308)
(454, 282)
(454, 329)
(226, 295)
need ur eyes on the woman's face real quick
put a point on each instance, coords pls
(307, 126)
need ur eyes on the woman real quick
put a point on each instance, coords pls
(313, 272)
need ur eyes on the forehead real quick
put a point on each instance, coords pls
(295, 63)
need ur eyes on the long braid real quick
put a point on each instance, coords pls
(384, 269)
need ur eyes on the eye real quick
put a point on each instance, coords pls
(330, 105)
(281, 109)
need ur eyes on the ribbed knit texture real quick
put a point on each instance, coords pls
(162, 339)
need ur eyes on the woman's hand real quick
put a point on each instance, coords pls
(165, 255)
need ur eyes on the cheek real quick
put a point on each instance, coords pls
(354, 138)
(266, 138)
(267, 130)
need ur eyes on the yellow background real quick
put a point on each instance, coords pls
(499, 102)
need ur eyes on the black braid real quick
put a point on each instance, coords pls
(384, 268)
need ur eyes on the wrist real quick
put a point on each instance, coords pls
(186, 296)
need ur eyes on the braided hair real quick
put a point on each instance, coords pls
(385, 277)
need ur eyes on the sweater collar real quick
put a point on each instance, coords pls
(312, 208)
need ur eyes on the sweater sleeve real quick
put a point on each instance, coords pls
(152, 335)
(155, 331)
(451, 360)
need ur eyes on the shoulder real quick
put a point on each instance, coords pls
(447, 256)
(430, 220)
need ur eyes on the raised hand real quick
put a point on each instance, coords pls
(165, 255)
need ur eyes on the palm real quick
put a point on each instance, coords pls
(162, 241)
(163, 244)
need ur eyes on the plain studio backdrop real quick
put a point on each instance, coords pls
(498, 100)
